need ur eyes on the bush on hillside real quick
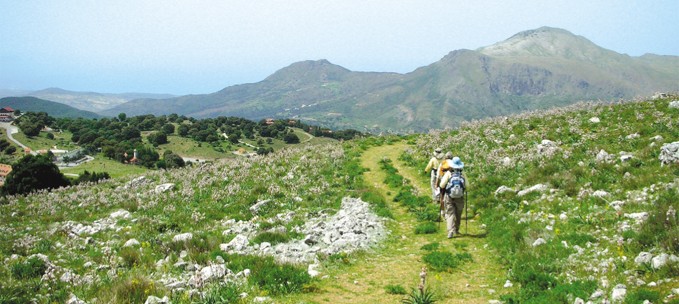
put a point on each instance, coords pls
(32, 173)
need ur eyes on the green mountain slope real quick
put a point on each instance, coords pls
(54, 109)
(573, 197)
(535, 69)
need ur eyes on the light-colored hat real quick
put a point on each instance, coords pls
(449, 155)
(437, 153)
(457, 163)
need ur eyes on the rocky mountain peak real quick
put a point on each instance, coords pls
(546, 42)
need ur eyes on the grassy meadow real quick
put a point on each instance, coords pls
(551, 219)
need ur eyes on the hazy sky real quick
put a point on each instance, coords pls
(183, 47)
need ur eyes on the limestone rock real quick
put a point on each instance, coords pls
(547, 148)
(669, 153)
(255, 208)
(674, 104)
(182, 237)
(164, 188)
(503, 189)
(603, 156)
(538, 242)
(131, 243)
(236, 244)
(595, 120)
(618, 293)
(643, 258)
(535, 188)
(120, 214)
(74, 300)
(157, 300)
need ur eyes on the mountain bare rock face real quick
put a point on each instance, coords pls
(535, 69)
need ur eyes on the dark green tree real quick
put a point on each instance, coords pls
(291, 138)
(168, 129)
(34, 172)
(157, 138)
(183, 130)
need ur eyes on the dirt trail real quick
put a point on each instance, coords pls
(399, 260)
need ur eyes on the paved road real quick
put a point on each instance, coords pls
(12, 130)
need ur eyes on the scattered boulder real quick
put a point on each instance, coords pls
(643, 258)
(625, 156)
(157, 300)
(597, 294)
(74, 300)
(255, 208)
(136, 183)
(508, 284)
(547, 148)
(639, 217)
(164, 188)
(120, 214)
(237, 244)
(503, 189)
(618, 293)
(213, 272)
(538, 242)
(182, 237)
(535, 188)
(633, 136)
(674, 104)
(663, 259)
(595, 120)
(312, 270)
(669, 153)
(600, 193)
(131, 243)
(603, 156)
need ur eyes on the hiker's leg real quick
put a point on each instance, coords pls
(450, 215)
(434, 187)
(459, 207)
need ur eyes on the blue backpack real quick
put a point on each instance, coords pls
(455, 186)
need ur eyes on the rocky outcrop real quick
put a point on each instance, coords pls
(353, 227)
(669, 153)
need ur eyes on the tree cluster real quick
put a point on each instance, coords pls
(31, 123)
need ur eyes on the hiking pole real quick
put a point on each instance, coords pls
(466, 214)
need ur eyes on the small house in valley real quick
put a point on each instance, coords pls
(4, 171)
(6, 114)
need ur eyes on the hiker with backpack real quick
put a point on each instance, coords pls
(432, 169)
(453, 186)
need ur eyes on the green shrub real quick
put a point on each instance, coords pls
(642, 294)
(277, 279)
(271, 237)
(133, 290)
(445, 261)
(430, 246)
(394, 289)
(221, 293)
(378, 202)
(658, 230)
(131, 256)
(429, 212)
(416, 296)
(29, 269)
(426, 228)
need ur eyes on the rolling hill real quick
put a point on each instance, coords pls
(535, 69)
(54, 109)
(90, 101)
